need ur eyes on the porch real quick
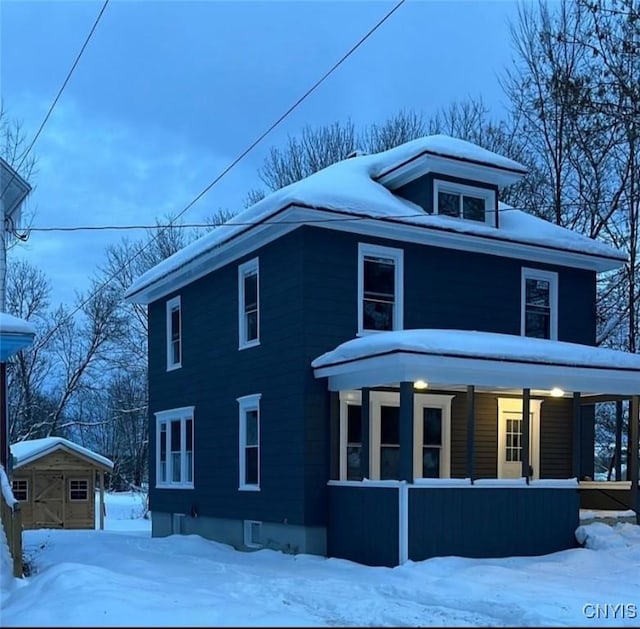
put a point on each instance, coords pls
(405, 486)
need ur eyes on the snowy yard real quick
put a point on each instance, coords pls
(123, 577)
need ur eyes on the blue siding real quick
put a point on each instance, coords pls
(308, 301)
(491, 522)
(363, 525)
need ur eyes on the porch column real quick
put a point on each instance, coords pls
(101, 500)
(334, 435)
(406, 431)
(471, 428)
(526, 432)
(365, 411)
(632, 461)
(577, 435)
(618, 450)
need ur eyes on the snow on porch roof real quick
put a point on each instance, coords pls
(27, 451)
(351, 188)
(15, 334)
(462, 357)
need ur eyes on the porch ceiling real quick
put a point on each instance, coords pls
(459, 357)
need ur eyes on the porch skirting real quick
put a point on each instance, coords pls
(385, 523)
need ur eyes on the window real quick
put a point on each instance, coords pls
(380, 288)
(174, 448)
(174, 334)
(467, 202)
(249, 442)
(431, 442)
(432, 435)
(252, 534)
(20, 488)
(248, 304)
(539, 315)
(78, 489)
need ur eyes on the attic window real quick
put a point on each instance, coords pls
(465, 202)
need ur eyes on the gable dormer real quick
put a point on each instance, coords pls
(454, 178)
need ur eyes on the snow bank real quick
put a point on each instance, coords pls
(601, 536)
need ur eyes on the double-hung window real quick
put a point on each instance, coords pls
(248, 304)
(249, 442)
(174, 448)
(466, 202)
(174, 334)
(539, 304)
(380, 288)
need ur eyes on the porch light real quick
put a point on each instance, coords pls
(420, 384)
(556, 392)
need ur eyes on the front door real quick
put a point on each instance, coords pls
(47, 500)
(510, 437)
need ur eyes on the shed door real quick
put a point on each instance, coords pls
(48, 495)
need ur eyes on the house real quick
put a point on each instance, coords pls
(15, 334)
(343, 368)
(54, 480)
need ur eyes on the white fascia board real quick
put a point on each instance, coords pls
(440, 371)
(293, 217)
(463, 169)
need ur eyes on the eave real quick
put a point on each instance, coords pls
(292, 216)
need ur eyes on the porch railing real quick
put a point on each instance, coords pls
(11, 518)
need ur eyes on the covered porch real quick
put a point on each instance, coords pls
(430, 455)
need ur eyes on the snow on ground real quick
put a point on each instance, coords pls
(123, 577)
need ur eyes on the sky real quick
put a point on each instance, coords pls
(167, 94)
(123, 577)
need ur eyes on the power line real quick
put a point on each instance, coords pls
(299, 101)
(55, 100)
(232, 223)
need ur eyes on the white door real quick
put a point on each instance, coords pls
(510, 437)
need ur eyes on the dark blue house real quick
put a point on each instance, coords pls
(343, 368)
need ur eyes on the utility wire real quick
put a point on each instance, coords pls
(55, 100)
(326, 75)
(233, 223)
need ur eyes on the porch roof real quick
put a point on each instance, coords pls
(462, 357)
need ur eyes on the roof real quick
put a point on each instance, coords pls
(464, 357)
(25, 452)
(350, 189)
(15, 334)
(14, 190)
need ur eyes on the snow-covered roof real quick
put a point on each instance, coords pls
(13, 325)
(349, 189)
(485, 358)
(15, 334)
(25, 452)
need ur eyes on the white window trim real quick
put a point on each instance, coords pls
(251, 266)
(488, 195)
(247, 534)
(397, 255)
(552, 278)
(183, 413)
(514, 405)
(247, 403)
(170, 306)
(392, 398)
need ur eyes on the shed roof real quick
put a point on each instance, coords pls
(25, 452)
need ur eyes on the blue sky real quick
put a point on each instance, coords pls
(168, 93)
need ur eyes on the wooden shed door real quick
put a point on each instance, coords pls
(48, 495)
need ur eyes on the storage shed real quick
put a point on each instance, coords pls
(55, 480)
